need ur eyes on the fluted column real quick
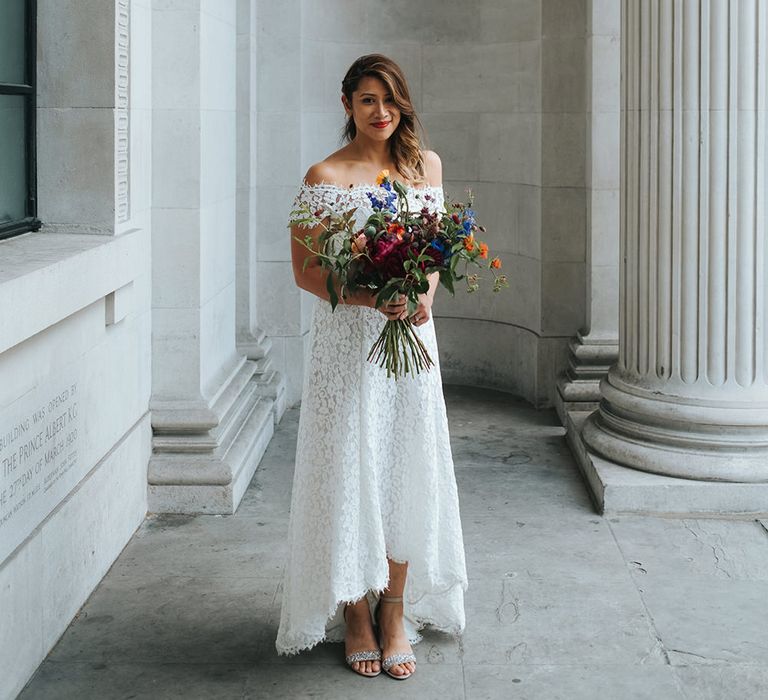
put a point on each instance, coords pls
(689, 395)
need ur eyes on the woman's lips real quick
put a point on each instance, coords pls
(380, 125)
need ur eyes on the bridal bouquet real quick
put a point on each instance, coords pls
(392, 254)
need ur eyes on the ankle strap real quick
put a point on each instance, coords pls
(390, 599)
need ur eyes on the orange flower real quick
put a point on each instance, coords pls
(469, 242)
(496, 263)
(383, 175)
(483, 250)
(397, 229)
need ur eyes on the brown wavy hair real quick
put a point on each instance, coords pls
(405, 142)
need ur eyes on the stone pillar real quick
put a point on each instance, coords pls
(251, 340)
(210, 422)
(595, 348)
(689, 395)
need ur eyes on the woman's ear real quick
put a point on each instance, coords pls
(346, 105)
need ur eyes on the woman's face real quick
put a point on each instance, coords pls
(374, 110)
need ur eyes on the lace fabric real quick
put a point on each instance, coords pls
(374, 472)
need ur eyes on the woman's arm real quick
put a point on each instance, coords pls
(313, 278)
(433, 168)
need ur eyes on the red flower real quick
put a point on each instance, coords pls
(388, 258)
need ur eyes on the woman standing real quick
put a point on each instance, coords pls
(374, 519)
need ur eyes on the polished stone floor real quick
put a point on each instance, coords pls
(562, 604)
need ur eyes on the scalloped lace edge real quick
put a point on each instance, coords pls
(362, 186)
(311, 641)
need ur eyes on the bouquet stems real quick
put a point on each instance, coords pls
(400, 350)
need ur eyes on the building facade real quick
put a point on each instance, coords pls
(151, 334)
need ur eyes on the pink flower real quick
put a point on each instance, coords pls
(359, 243)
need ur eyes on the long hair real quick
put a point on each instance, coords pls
(405, 143)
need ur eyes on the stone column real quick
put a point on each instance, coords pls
(689, 395)
(210, 422)
(251, 339)
(595, 348)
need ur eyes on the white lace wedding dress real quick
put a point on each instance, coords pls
(374, 473)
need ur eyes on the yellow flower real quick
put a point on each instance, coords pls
(383, 175)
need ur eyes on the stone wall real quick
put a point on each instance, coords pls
(75, 432)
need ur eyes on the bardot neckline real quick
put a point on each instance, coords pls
(365, 185)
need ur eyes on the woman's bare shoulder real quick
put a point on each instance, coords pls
(433, 168)
(324, 171)
(336, 169)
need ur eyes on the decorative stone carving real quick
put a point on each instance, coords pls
(122, 112)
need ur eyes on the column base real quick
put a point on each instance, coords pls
(205, 456)
(578, 388)
(270, 383)
(618, 489)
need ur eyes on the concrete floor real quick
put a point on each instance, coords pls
(562, 603)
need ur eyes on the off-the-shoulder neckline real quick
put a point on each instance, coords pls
(363, 186)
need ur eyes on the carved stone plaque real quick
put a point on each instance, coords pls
(40, 438)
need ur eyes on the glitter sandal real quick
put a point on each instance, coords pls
(394, 659)
(366, 655)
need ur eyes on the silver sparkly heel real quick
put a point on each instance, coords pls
(366, 655)
(394, 659)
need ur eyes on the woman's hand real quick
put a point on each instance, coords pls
(423, 311)
(395, 309)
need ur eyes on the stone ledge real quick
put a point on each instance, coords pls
(616, 489)
(46, 277)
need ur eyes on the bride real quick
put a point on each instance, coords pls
(375, 542)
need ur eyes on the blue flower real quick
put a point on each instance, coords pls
(383, 200)
(439, 244)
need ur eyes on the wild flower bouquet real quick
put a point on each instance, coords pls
(392, 254)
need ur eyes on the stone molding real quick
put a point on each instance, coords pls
(589, 360)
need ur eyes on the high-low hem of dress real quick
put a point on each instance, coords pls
(413, 625)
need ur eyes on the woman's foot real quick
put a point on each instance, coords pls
(359, 640)
(395, 646)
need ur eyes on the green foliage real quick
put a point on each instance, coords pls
(334, 297)
(347, 253)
